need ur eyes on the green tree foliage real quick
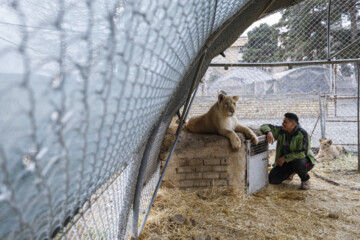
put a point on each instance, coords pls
(262, 44)
(341, 37)
(303, 30)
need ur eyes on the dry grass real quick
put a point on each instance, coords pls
(344, 169)
(281, 211)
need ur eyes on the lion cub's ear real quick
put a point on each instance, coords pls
(320, 140)
(236, 98)
(221, 97)
(330, 142)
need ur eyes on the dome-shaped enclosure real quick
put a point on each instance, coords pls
(83, 85)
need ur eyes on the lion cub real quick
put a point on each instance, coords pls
(328, 151)
(221, 119)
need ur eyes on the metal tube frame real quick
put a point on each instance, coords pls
(358, 114)
(165, 167)
(328, 29)
(345, 48)
(321, 118)
(325, 113)
(186, 110)
(140, 179)
(187, 107)
(288, 64)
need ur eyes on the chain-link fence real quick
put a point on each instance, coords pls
(307, 33)
(266, 94)
(88, 89)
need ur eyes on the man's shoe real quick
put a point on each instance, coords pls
(305, 185)
(291, 176)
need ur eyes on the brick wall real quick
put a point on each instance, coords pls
(267, 108)
(203, 160)
(202, 172)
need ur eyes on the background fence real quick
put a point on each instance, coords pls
(88, 89)
(307, 91)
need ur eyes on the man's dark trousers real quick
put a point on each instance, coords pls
(300, 166)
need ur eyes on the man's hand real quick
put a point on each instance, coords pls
(270, 137)
(280, 161)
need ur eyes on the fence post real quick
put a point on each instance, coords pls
(358, 106)
(325, 112)
(328, 29)
(140, 179)
(187, 106)
(321, 118)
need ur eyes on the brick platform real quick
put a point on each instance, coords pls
(203, 160)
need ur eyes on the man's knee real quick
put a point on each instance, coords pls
(273, 179)
(298, 165)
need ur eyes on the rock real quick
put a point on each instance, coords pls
(333, 215)
(193, 222)
(211, 238)
(178, 219)
(199, 237)
(201, 197)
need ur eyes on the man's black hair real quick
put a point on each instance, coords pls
(292, 116)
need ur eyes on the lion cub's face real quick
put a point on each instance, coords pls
(227, 104)
(325, 144)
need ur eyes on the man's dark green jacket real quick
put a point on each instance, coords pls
(296, 145)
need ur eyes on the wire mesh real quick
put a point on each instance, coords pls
(82, 85)
(300, 34)
(266, 94)
(84, 82)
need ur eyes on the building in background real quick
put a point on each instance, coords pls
(233, 54)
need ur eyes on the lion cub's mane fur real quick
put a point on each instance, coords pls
(221, 119)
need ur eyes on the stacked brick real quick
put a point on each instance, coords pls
(203, 160)
(202, 172)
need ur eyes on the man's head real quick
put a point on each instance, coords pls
(289, 122)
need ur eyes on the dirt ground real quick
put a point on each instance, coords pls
(326, 211)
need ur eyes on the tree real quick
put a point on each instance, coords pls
(303, 32)
(303, 29)
(342, 37)
(348, 9)
(262, 44)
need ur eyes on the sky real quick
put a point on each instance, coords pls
(270, 20)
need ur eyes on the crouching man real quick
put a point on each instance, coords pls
(293, 151)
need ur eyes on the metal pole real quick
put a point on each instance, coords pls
(331, 80)
(288, 64)
(321, 118)
(186, 107)
(346, 48)
(325, 106)
(165, 167)
(358, 117)
(328, 29)
(266, 8)
(140, 179)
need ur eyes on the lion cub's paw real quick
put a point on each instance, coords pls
(236, 144)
